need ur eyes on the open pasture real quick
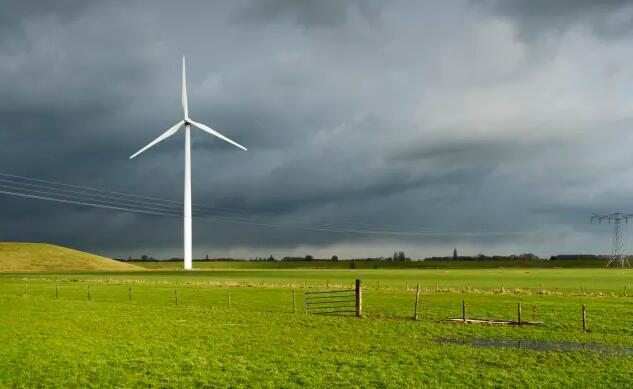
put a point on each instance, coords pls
(533, 280)
(107, 337)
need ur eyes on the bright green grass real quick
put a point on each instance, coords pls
(149, 341)
(552, 281)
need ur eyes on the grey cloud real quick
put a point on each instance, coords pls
(610, 18)
(400, 113)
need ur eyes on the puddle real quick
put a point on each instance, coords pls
(540, 345)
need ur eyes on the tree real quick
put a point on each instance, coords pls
(399, 256)
(309, 257)
(334, 257)
(144, 257)
(454, 253)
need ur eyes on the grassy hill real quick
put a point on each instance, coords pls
(43, 257)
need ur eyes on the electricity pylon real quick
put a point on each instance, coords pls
(616, 218)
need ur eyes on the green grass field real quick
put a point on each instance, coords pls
(112, 341)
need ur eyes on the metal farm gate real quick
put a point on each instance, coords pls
(345, 302)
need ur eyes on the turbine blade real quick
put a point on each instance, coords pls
(185, 107)
(215, 133)
(163, 136)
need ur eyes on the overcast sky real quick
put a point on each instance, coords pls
(506, 122)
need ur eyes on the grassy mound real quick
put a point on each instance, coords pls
(43, 257)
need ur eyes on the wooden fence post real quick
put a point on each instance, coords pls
(56, 290)
(294, 302)
(534, 313)
(417, 301)
(129, 293)
(624, 290)
(584, 318)
(519, 312)
(176, 295)
(540, 288)
(26, 288)
(89, 294)
(359, 299)
(229, 297)
(464, 311)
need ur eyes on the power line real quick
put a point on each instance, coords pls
(82, 199)
(96, 199)
(91, 189)
(84, 203)
(129, 200)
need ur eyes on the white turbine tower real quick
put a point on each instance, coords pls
(188, 123)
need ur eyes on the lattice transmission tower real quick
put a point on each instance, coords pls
(617, 249)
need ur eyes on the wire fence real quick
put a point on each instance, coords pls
(571, 312)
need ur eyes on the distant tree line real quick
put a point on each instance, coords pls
(482, 257)
(397, 256)
(569, 257)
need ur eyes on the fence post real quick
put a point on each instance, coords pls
(540, 288)
(56, 290)
(129, 293)
(534, 313)
(417, 301)
(229, 297)
(176, 295)
(464, 311)
(294, 302)
(584, 318)
(624, 290)
(89, 294)
(359, 299)
(519, 312)
(26, 288)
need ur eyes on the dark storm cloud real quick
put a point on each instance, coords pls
(328, 13)
(365, 114)
(610, 17)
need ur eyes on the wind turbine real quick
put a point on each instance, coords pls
(188, 123)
